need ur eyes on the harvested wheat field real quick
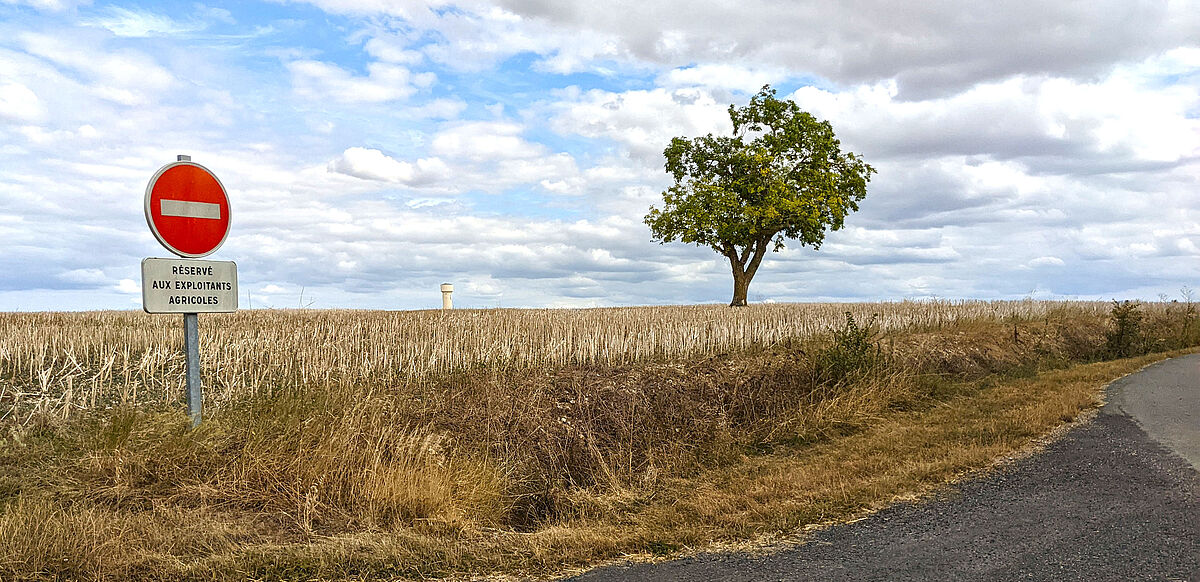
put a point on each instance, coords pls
(364, 445)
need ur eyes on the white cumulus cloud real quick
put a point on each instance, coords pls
(18, 102)
(383, 82)
(1047, 262)
(372, 164)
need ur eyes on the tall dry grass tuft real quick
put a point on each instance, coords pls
(45, 538)
(324, 462)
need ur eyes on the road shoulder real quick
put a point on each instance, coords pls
(1105, 502)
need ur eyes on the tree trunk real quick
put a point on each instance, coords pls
(744, 265)
(741, 285)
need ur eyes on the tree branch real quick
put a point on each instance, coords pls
(760, 251)
(729, 251)
(746, 254)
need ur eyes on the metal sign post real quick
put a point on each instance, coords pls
(187, 209)
(191, 346)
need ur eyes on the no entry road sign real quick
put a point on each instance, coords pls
(187, 209)
(188, 212)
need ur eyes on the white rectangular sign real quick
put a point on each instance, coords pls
(189, 286)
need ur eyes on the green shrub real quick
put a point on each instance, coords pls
(1125, 337)
(854, 352)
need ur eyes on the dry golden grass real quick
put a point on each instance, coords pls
(519, 465)
(68, 362)
(762, 498)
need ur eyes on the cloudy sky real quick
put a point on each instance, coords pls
(373, 149)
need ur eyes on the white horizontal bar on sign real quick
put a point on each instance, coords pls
(187, 209)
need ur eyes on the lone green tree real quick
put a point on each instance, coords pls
(782, 175)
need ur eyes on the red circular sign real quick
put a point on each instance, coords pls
(187, 209)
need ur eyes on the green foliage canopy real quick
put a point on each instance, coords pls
(782, 175)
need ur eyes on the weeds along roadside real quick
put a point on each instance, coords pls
(481, 450)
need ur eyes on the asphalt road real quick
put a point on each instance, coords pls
(1117, 498)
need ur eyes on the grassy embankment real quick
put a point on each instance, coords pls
(498, 442)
